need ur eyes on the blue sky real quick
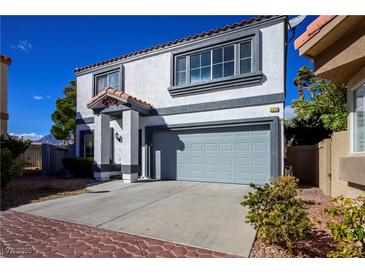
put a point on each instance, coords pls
(46, 49)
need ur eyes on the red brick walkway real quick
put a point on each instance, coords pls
(25, 235)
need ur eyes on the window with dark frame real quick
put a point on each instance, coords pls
(109, 79)
(89, 145)
(214, 63)
(111, 155)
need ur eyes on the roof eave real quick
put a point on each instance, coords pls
(147, 52)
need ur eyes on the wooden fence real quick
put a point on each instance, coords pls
(319, 164)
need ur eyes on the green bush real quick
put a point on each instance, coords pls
(79, 167)
(276, 213)
(349, 233)
(11, 167)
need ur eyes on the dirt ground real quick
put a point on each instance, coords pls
(32, 189)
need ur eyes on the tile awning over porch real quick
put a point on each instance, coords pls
(111, 99)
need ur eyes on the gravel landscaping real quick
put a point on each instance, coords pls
(25, 190)
(317, 244)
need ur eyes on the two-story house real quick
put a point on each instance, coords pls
(202, 108)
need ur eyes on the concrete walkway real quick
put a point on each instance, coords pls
(203, 215)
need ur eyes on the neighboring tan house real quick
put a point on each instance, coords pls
(202, 108)
(4, 115)
(336, 44)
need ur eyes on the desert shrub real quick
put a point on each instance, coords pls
(16, 145)
(11, 148)
(79, 167)
(276, 213)
(349, 232)
(10, 167)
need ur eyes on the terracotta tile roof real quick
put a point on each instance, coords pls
(312, 29)
(4, 59)
(172, 43)
(117, 93)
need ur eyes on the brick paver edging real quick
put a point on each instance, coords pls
(26, 235)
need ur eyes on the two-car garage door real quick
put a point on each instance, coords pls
(228, 155)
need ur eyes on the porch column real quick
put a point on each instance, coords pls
(130, 146)
(101, 147)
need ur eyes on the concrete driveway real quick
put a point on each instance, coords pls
(204, 215)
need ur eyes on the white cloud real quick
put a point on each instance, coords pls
(289, 112)
(48, 97)
(38, 97)
(29, 136)
(24, 46)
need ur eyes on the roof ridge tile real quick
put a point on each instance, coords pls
(118, 93)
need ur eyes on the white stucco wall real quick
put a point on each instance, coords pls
(215, 115)
(84, 94)
(148, 79)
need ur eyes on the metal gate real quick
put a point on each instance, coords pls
(32, 159)
(52, 159)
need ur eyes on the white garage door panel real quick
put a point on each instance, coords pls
(230, 155)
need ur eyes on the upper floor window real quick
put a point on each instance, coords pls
(223, 62)
(359, 119)
(109, 79)
(245, 57)
(200, 67)
(214, 63)
(181, 71)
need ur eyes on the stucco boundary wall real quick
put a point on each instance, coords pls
(319, 164)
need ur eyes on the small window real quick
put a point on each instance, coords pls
(107, 80)
(223, 62)
(245, 57)
(181, 71)
(89, 145)
(200, 67)
(359, 120)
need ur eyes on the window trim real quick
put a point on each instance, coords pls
(106, 72)
(254, 76)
